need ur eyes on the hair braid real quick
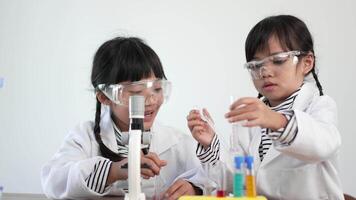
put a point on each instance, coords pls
(105, 151)
(317, 82)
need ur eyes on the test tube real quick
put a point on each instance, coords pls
(221, 182)
(208, 187)
(240, 134)
(238, 184)
(250, 178)
(205, 118)
(240, 137)
(159, 188)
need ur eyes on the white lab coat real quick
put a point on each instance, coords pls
(308, 168)
(64, 175)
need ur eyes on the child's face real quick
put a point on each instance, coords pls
(279, 82)
(152, 105)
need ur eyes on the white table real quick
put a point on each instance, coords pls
(22, 196)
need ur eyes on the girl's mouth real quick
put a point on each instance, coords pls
(269, 86)
(149, 115)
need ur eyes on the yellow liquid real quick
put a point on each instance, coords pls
(250, 186)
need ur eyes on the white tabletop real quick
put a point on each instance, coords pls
(23, 196)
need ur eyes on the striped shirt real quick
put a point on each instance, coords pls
(96, 180)
(283, 136)
(122, 149)
(210, 154)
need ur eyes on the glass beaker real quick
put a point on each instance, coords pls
(159, 188)
(217, 174)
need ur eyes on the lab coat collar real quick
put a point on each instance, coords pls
(255, 143)
(163, 137)
(107, 130)
(307, 92)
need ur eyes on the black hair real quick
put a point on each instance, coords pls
(291, 32)
(118, 60)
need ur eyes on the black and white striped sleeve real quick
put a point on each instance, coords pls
(285, 136)
(97, 178)
(210, 154)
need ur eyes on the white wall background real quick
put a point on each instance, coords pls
(46, 50)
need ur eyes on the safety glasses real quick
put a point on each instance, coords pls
(279, 60)
(155, 90)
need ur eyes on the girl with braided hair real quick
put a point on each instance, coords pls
(293, 125)
(92, 160)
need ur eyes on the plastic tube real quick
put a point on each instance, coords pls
(250, 178)
(238, 184)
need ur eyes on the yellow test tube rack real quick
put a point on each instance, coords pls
(221, 198)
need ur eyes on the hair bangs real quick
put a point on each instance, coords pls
(258, 38)
(136, 61)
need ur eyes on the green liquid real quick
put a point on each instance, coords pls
(238, 185)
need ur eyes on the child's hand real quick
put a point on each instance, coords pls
(152, 165)
(200, 129)
(256, 113)
(179, 188)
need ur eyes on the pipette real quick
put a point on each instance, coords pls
(205, 118)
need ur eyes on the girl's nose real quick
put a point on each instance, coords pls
(150, 99)
(265, 71)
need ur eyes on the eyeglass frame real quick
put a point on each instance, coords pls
(118, 88)
(262, 62)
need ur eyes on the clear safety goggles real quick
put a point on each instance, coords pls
(154, 90)
(279, 61)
